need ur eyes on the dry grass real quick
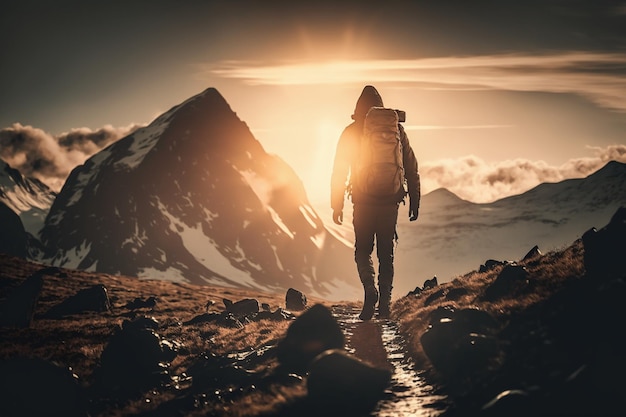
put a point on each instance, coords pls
(548, 274)
(78, 341)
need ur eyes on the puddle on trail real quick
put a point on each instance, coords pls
(380, 343)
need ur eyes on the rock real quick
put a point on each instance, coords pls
(228, 319)
(533, 253)
(18, 308)
(95, 298)
(134, 359)
(244, 307)
(315, 331)
(460, 342)
(430, 283)
(605, 248)
(295, 300)
(416, 292)
(36, 387)
(137, 303)
(203, 318)
(345, 384)
(509, 278)
(13, 238)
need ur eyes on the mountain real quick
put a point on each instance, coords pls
(28, 197)
(194, 197)
(453, 236)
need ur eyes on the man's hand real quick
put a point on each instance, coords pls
(338, 216)
(413, 211)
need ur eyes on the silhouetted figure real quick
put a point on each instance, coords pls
(375, 213)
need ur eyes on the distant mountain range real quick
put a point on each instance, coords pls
(194, 197)
(453, 236)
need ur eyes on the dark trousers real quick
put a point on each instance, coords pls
(375, 224)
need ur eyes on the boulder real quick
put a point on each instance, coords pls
(94, 298)
(134, 358)
(36, 387)
(533, 253)
(18, 308)
(430, 283)
(315, 331)
(13, 237)
(345, 384)
(295, 300)
(460, 341)
(243, 307)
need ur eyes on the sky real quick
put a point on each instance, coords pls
(499, 95)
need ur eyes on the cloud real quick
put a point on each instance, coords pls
(473, 179)
(601, 77)
(49, 158)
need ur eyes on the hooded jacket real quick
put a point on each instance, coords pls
(347, 149)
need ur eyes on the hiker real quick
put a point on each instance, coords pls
(375, 206)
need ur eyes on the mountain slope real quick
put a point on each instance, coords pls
(194, 197)
(453, 236)
(28, 197)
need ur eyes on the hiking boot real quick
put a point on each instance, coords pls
(384, 304)
(369, 305)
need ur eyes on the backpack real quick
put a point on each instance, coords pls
(379, 171)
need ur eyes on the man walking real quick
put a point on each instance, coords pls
(365, 167)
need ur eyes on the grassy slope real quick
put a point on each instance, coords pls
(78, 341)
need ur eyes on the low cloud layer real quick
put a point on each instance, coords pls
(473, 179)
(50, 158)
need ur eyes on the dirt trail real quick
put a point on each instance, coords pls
(379, 343)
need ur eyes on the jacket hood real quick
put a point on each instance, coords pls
(369, 98)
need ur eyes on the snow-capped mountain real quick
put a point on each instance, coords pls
(195, 197)
(28, 197)
(453, 236)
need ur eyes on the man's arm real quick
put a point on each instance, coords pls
(339, 177)
(411, 173)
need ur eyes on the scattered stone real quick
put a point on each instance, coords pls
(244, 307)
(36, 387)
(208, 305)
(430, 283)
(295, 300)
(492, 264)
(138, 303)
(315, 331)
(416, 292)
(345, 384)
(94, 298)
(203, 318)
(533, 253)
(18, 308)
(227, 319)
(134, 359)
(459, 342)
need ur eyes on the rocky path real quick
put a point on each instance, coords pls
(380, 343)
